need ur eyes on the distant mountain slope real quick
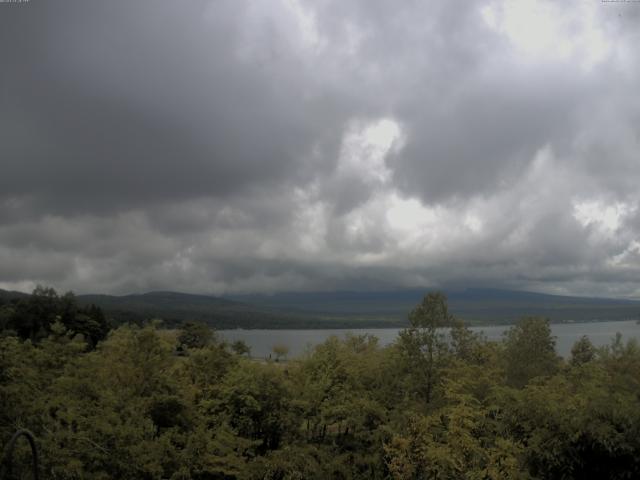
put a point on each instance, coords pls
(350, 309)
(174, 308)
(474, 305)
(384, 304)
(6, 295)
(221, 313)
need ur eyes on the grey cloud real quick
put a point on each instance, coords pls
(121, 106)
(198, 147)
(483, 139)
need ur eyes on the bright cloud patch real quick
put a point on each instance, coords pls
(541, 30)
(607, 218)
(365, 147)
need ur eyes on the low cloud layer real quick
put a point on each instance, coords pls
(235, 146)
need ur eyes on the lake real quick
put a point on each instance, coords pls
(298, 341)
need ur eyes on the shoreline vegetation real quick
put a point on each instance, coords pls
(144, 402)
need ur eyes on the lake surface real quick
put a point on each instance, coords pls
(299, 341)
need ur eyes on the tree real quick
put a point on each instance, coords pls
(280, 350)
(240, 347)
(195, 335)
(465, 344)
(424, 343)
(205, 367)
(575, 425)
(7, 315)
(89, 321)
(254, 401)
(33, 316)
(458, 442)
(582, 351)
(529, 351)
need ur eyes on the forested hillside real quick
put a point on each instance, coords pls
(480, 306)
(174, 308)
(320, 310)
(38, 315)
(154, 404)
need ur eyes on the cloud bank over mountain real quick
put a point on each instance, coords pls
(236, 146)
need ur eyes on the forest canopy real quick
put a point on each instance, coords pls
(441, 402)
(38, 315)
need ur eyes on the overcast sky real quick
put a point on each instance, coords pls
(279, 145)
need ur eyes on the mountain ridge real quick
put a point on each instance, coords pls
(349, 309)
(475, 305)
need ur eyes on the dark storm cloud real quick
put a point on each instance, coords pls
(115, 106)
(216, 146)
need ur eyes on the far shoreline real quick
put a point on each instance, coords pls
(398, 326)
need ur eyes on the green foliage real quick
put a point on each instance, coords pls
(195, 335)
(424, 344)
(529, 351)
(440, 403)
(460, 441)
(292, 462)
(254, 401)
(582, 352)
(280, 351)
(32, 317)
(240, 348)
(205, 368)
(575, 425)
